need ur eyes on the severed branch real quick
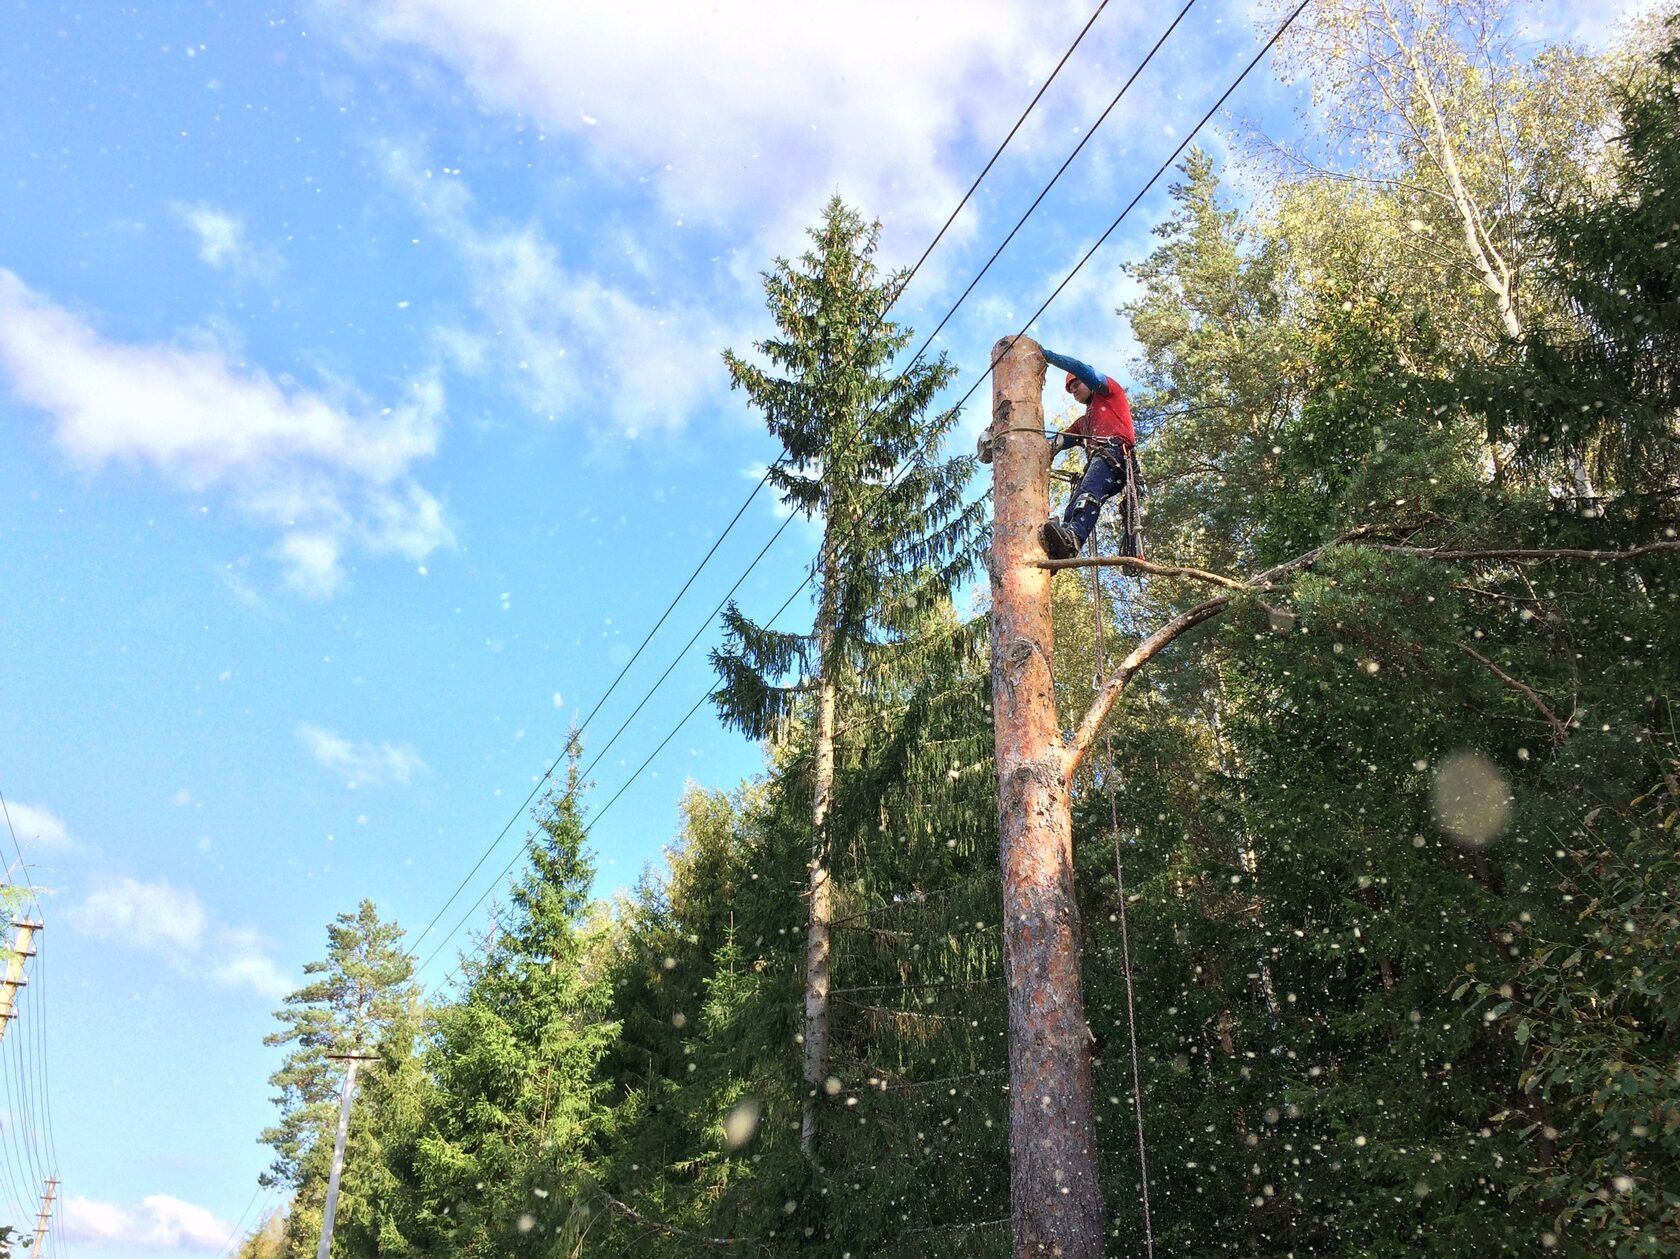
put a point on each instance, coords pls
(1079, 744)
(1144, 566)
(1559, 731)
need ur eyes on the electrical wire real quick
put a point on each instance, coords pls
(33, 1070)
(763, 480)
(38, 1136)
(17, 1174)
(812, 569)
(17, 1107)
(21, 1128)
(45, 1081)
(555, 764)
(1045, 191)
(1109, 231)
(1042, 308)
(526, 848)
(231, 1245)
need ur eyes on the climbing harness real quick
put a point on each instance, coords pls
(1120, 874)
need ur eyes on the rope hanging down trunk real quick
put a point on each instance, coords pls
(1120, 887)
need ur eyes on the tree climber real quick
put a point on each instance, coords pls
(1110, 442)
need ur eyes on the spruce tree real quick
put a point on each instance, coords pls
(490, 1133)
(861, 460)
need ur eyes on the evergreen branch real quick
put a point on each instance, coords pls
(1559, 731)
(630, 1212)
(923, 984)
(1526, 553)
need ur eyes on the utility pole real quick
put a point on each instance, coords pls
(45, 1215)
(23, 946)
(1055, 1199)
(353, 1061)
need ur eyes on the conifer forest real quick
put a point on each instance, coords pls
(1372, 888)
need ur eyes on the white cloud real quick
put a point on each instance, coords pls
(548, 326)
(222, 242)
(158, 917)
(150, 915)
(38, 828)
(748, 109)
(331, 473)
(160, 1222)
(362, 764)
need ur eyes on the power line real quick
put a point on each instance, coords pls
(555, 764)
(21, 1106)
(898, 291)
(526, 847)
(811, 571)
(1109, 231)
(15, 1165)
(1031, 105)
(1045, 191)
(1153, 179)
(17, 1107)
(231, 1245)
(41, 1045)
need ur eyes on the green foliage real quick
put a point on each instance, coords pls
(861, 459)
(353, 996)
(1397, 833)
(1601, 380)
(1593, 1004)
(480, 1128)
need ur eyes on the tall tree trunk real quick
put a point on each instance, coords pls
(1055, 1199)
(821, 894)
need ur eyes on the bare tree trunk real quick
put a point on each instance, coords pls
(821, 910)
(1055, 1199)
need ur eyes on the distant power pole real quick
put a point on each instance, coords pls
(23, 946)
(354, 1061)
(45, 1215)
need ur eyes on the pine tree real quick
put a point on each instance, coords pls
(357, 991)
(860, 458)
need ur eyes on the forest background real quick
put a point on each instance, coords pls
(1396, 837)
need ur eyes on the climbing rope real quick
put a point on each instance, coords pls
(1120, 885)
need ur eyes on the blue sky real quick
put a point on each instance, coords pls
(361, 406)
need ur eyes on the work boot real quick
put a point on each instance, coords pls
(1059, 542)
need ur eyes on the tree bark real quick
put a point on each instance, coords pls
(1055, 1198)
(821, 907)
